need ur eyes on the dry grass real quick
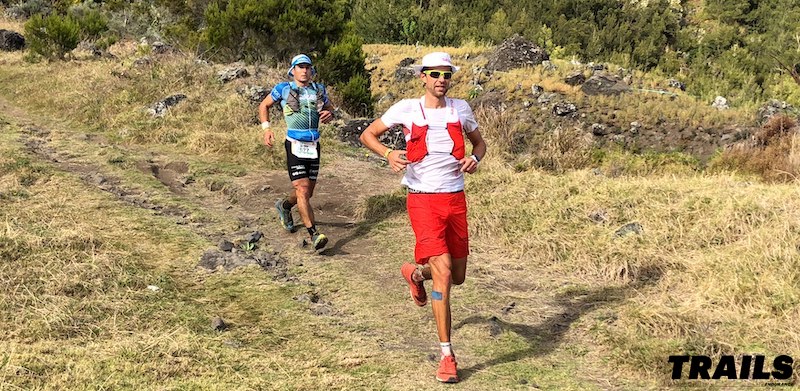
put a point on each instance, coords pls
(773, 153)
(714, 270)
(77, 312)
(717, 259)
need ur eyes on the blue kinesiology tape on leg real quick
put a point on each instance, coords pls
(436, 295)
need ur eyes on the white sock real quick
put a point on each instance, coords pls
(446, 348)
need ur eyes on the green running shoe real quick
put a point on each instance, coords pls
(319, 241)
(285, 215)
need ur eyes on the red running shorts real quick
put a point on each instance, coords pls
(439, 221)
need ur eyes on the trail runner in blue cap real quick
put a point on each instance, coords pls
(305, 104)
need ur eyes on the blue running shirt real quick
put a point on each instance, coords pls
(301, 106)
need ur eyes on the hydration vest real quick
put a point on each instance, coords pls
(416, 137)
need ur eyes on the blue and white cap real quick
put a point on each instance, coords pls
(301, 59)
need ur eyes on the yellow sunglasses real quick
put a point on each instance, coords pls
(435, 74)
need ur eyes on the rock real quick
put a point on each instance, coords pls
(599, 216)
(311, 297)
(575, 78)
(162, 48)
(676, 84)
(545, 98)
(720, 103)
(11, 41)
(214, 259)
(599, 130)
(142, 61)
(549, 66)
(153, 288)
(495, 328)
(218, 324)
(232, 73)
(253, 94)
(604, 84)
(404, 70)
(253, 237)
(351, 131)
(564, 108)
(630, 228)
(536, 90)
(516, 52)
(160, 108)
(406, 62)
(773, 107)
(225, 245)
(596, 67)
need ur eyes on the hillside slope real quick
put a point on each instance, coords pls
(101, 200)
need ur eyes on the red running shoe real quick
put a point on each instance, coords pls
(448, 371)
(417, 289)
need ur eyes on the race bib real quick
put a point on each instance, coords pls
(305, 150)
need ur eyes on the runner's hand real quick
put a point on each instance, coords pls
(468, 165)
(269, 138)
(396, 160)
(325, 116)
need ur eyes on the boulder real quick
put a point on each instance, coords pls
(564, 108)
(676, 84)
(720, 103)
(405, 70)
(254, 94)
(773, 107)
(603, 83)
(516, 52)
(11, 41)
(575, 78)
(232, 73)
(160, 108)
(351, 131)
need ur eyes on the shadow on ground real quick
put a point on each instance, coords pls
(376, 209)
(545, 337)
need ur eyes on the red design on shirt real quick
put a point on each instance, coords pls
(417, 145)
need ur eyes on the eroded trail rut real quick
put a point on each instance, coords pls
(235, 213)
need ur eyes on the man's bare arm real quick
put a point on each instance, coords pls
(369, 137)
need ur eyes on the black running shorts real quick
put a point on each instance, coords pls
(302, 168)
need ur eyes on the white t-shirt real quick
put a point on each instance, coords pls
(439, 171)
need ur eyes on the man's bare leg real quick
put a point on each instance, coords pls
(458, 271)
(301, 196)
(441, 273)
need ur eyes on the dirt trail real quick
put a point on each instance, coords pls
(246, 204)
(355, 281)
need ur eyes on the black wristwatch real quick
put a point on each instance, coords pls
(476, 158)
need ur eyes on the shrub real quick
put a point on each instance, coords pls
(343, 61)
(263, 30)
(27, 9)
(92, 23)
(774, 153)
(356, 96)
(52, 36)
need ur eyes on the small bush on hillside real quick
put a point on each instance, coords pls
(343, 60)
(562, 150)
(52, 36)
(92, 23)
(343, 67)
(262, 30)
(26, 9)
(775, 128)
(356, 96)
(774, 153)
